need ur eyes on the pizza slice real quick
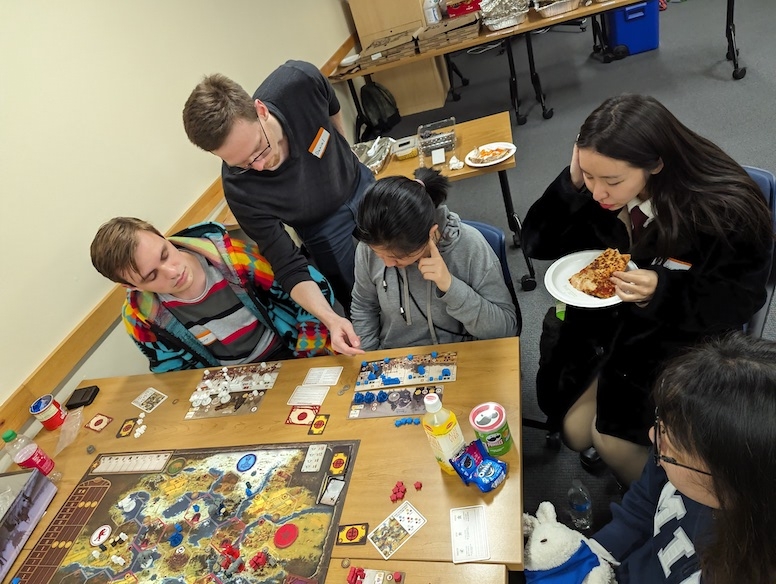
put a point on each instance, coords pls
(593, 279)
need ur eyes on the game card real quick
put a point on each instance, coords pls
(469, 534)
(394, 531)
(126, 427)
(318, 425)
(308, 395)
(149, 400)
(352, 534)
(98, 422)
(322, 376)
(332, 491)
(302, 415)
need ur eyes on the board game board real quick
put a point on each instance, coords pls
(393, 402)
(241, 387)
(411, 369)
(247, 515)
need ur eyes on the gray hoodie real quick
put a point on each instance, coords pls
(476, 306)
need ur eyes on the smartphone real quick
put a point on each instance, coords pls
(82, 396)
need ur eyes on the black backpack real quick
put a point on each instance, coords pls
(379, 109)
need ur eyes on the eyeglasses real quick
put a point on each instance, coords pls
(240, 169)
(668, 459)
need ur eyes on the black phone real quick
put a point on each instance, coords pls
(82, 396)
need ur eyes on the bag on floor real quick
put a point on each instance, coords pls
(379, 109)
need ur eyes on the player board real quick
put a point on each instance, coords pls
(391, 402)
(232, 390)
(247, 515)
(389, 373)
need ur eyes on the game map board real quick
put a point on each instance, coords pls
(247, 515)
(411, 369)
(245, 385)
(392, 402)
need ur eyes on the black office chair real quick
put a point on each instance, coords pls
(495, 237)
(767, 183)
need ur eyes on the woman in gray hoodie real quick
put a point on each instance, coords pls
(422, 276)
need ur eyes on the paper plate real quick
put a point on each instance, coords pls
(556, 280)
(510, 152)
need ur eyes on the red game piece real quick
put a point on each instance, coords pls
(286, 535)
(229, 550)
(397, 577)
(258, 561)
(418, 485)
(399, 484)
(393, 497)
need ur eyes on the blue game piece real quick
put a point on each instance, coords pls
(421, 369)
(409, 376)
(386, 360)
(364, 363)
(409, 357)
(358, 383)
(445, 372)
(416, 421)
(358, 398)
(196, 508)
(431, 378)
(177, 537)
(371, 377)
(397, 423)
(434, 354)
(369, 397)
(382, 396)
(16, 580)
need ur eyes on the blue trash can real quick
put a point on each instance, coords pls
(636, 27)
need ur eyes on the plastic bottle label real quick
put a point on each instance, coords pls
(445, 440)
(39, 460)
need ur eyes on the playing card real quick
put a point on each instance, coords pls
(126, 428)
(319, 424)
(396, 529)
(322, 376)
(332, 491)
(149, 400)
(352, 534)
(98, 422)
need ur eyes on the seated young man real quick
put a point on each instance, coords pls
(201, 298)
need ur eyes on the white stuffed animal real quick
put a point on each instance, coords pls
(557, 554)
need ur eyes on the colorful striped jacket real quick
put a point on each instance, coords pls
(170, 346)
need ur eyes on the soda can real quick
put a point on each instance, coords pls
(489, 421)
(48, 412)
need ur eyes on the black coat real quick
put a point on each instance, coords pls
(625, 345)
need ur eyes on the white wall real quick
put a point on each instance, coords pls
(91, 93)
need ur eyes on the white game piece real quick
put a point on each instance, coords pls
(96, 555)
(123, 536)
(142, 428)
(255, 393)
(206, 372)
(207, 401)
(141, 415)
(263, 365)
(137, 434)
(266, 378)
(224, 398)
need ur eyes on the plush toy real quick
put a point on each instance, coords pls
(556, 554)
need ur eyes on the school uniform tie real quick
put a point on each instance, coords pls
(638, 218)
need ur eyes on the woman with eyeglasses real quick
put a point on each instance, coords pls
(701, 234)
(704, 510)
(422, 276)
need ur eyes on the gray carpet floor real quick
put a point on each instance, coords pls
(688, 73)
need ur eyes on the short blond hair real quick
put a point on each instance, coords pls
(211, 110)
(113, 248)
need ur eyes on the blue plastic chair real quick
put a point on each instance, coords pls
(496, 239)
(767, 183)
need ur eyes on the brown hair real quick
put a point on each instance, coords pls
(212, 109)
(113, 248)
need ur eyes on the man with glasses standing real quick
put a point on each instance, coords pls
(286, 160)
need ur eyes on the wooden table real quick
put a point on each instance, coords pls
(532, 22)
(426, 572)
(469, 135)
(487, 371)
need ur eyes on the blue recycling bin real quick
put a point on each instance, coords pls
(636, 27)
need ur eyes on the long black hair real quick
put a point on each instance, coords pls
(699, 188)
(397, 212)
(718, 403)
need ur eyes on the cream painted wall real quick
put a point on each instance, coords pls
(90, 128)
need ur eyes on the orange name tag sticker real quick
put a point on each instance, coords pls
(674, 264)
(318, 147)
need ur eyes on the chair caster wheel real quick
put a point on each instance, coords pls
(552, 441)
(516, 240)
(464, 82)
(521, 120)
(547, 114)
(456, 97)
(739, 73)
(528, 283)
(591, 461)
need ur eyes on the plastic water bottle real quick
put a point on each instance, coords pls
(443, 432)
(580, 505)
(27, 454)
(432, 11)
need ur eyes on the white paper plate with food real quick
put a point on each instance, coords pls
(490, 154)
(591, 271)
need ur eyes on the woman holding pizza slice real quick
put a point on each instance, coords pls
(700, 233)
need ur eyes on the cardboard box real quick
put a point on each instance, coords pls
(448, 32)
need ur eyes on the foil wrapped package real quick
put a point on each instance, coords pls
(375, 153)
